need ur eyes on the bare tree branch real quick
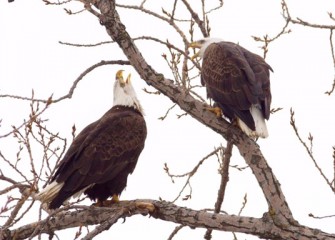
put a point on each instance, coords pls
(262, 227)
(190, 173)
(309, 150)
(175, 231)
(287, 16)
(333, 57)
(224, 172)
(73, 87)
(196, 18)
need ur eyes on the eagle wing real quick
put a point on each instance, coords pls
(236, 79)
(101, 151)
(261, 71)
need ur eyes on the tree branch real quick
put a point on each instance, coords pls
(262, 227)
(74, 84)
(196, 18)
(224, 172)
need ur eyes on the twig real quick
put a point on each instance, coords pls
(174, 9)
(13, 167)
(74, 84)
(56, 3)
(14, 212)
(333, 167)
(289, 19)
(175, 231)
(215, 8)
(312, 25)
(196, 18)
(244, 203)
(267, 40)
(309, 150)
(167, 20)
(322, 217)
(224, 172)
(85, 45)
(31, 117)
(190, 173)
(333, 57)
(167, 112)
(70, 12)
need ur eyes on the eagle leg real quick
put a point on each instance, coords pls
(99, 203)
(115, 198)
(216, 110)
(107, 203)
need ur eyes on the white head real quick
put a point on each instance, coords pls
(203, 44)
(124, 93)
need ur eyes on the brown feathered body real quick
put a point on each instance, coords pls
(238, 81)
(102, 156)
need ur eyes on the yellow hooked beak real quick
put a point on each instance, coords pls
(119, 77)
(195, 45)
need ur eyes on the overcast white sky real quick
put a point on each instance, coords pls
(32, 58)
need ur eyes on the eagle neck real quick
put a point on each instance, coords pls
(126, 96)
(207, 42)
(125, 108)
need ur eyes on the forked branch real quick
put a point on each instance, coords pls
(248, 148)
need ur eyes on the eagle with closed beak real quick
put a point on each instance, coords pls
(239, 83)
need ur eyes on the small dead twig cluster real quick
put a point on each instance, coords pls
(330, 27)
(189, 174)
(309, 149)
(39, 148)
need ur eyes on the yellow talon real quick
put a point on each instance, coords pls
(216, 110)
(143, 205)
(115, 198)
(107, 203)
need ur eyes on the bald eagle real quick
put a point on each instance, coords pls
(103, 154)
(239, 83)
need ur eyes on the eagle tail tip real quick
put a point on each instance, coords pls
(261, 129)
(49, 192)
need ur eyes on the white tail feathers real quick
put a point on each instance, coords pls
(49, 192)
(261, 129)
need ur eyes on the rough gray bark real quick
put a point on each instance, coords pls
(263, 227)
